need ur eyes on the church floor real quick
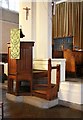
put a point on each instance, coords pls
(20, 111)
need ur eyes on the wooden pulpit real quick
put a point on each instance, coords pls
(20, 69)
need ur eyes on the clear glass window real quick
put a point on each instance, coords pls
(12, 5)
(5, 3)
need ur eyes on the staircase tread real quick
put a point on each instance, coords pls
(41, 91)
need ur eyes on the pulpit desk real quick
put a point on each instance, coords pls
(20, 69)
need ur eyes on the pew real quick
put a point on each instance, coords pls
(74, 62)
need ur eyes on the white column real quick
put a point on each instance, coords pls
(43, 30)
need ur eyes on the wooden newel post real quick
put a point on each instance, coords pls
(49, 73)
(58, 76)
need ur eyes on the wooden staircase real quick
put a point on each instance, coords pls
(45, 89)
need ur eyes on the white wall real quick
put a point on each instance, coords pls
(38, 27)
(26, 24)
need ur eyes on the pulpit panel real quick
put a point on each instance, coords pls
(11, 63)
(20, 69)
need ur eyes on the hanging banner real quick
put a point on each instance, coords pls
(15, 43)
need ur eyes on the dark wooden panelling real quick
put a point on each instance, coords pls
(20, 69)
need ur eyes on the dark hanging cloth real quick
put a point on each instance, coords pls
(21, 34)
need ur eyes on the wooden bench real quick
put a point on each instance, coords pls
(74, 62)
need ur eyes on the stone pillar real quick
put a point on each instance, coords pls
(43, 30)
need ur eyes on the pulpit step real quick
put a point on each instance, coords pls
(43, 85)
(46, 93)
(40, 93)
